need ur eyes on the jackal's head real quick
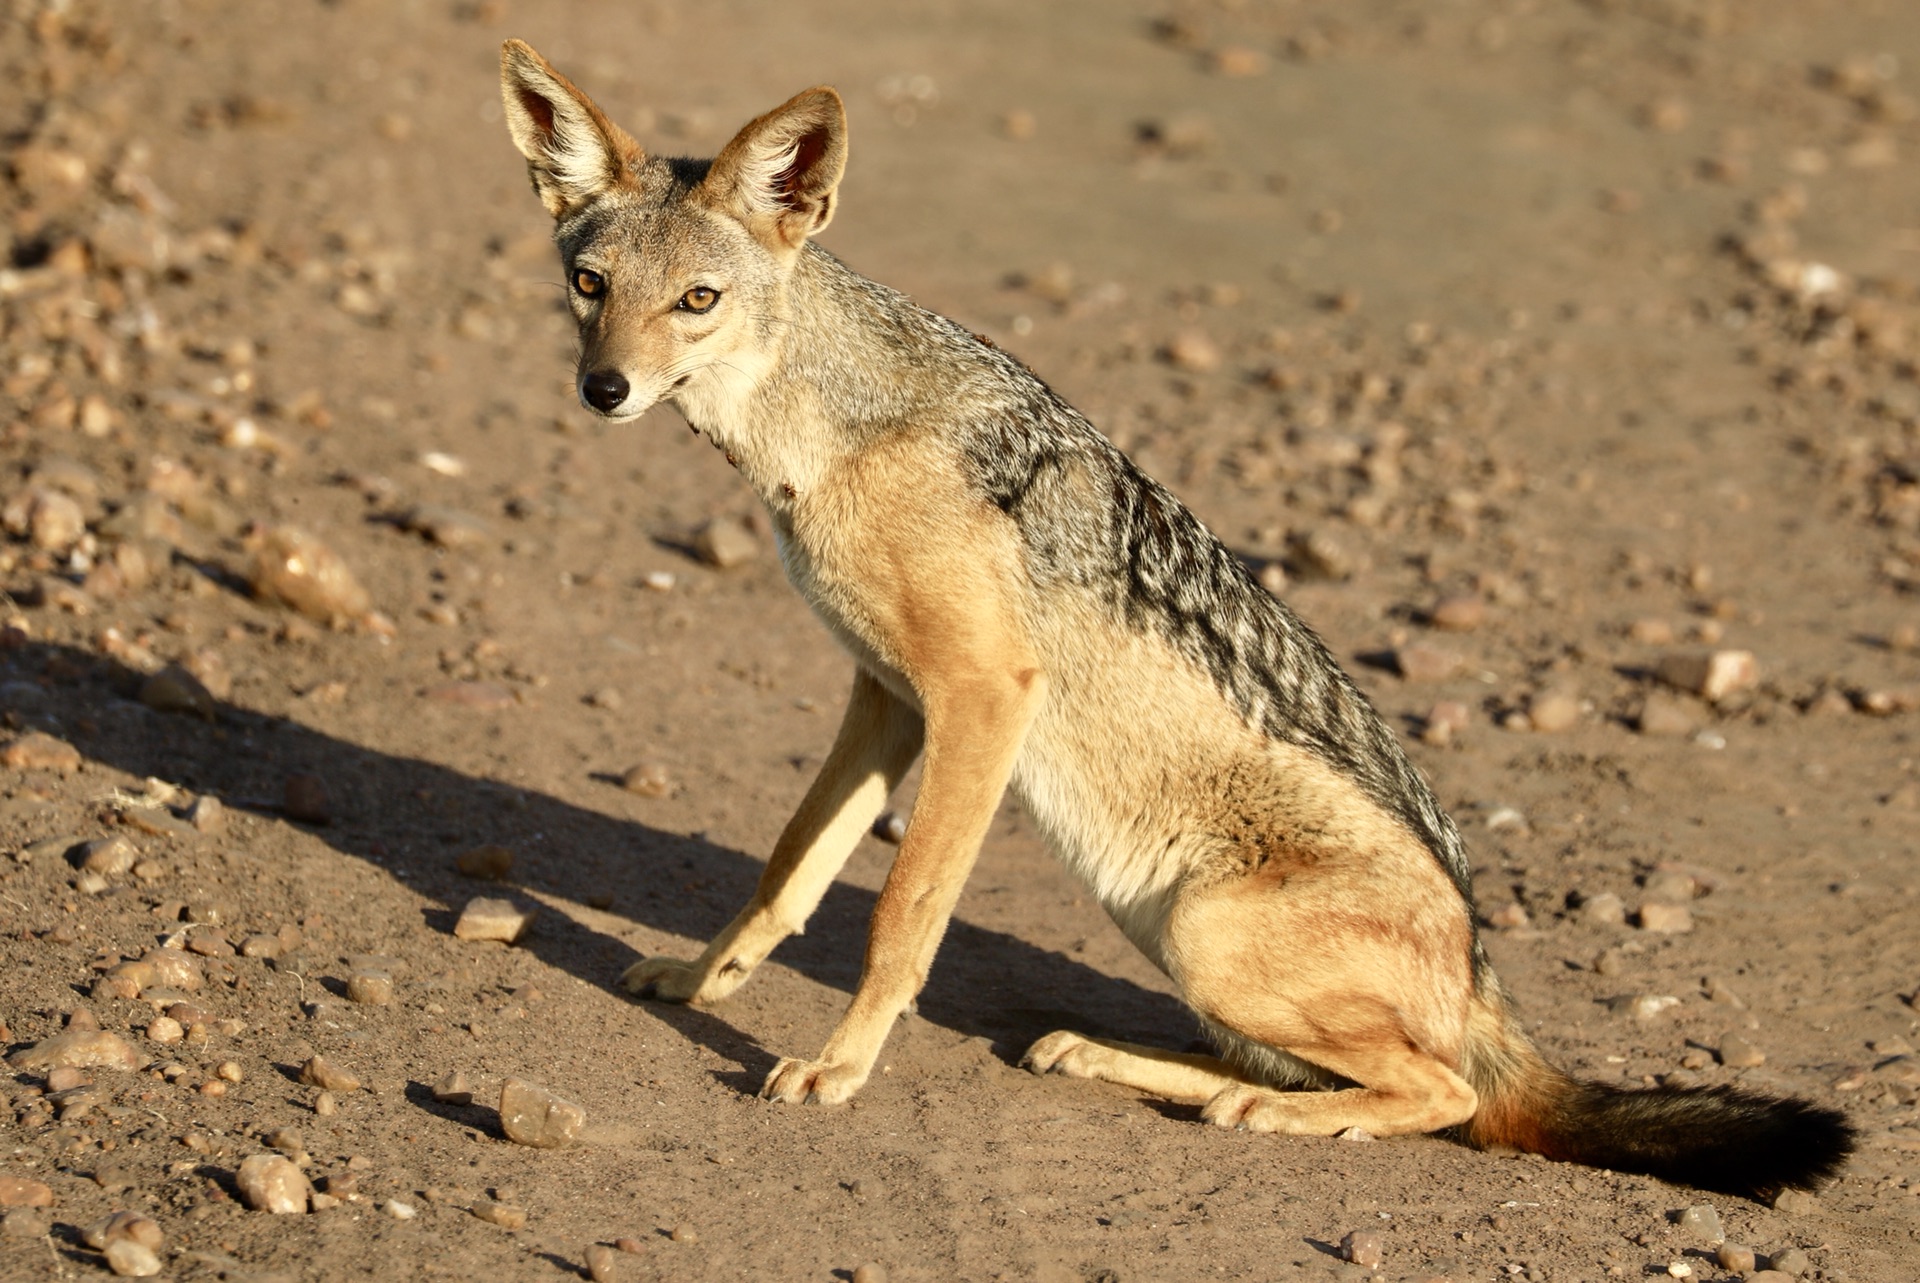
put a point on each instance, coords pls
(676, 269)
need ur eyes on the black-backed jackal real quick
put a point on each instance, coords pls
(1029, 610)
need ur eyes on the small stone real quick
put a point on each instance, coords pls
(1554, 711)
(272, 1183)
(1646, 1006)
(485, 919)
(1420, 662)
(1236, 61)
(1679, 1270)
(1713, 676)
(1663, 716)
(53, 521)
(1321, 554)
(533, 1115)
(1604, 910)
(25, 1223)
(1363, 1247)
(505, 1215)
(165, 1030)
(373, 988)
(208, 815)
(606, 697)
(488, 863)
(649, 779)
(891, 827)
(1671, 886)
(211, 943)
(109, 857)
(600, 1262)
(1193, 352)
(1794, 1202)
(1701, 1223)
(304, 798)
(260, 945)
(870, 1273)
(129, 1259)
(1734, 1258)
(449, 527)
(322, 1202)
(481, 695)
(19, 1191)
(725, 542)
(319, 1072)
(229, 1071)
(35, 751)
(1355, 1135)
(175, 690)
(630, 1245)
(124, 1226)
(1458, 614)
(1508, 917)
(293, 568)
(398, 1210)
(453, 1089)
(1019, 124)
(81, 1049)
(173, 968)
(325, 1105)
(1790, 1262)
(1665, 919)
(684, 1234)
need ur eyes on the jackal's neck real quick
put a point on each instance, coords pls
(835, 370)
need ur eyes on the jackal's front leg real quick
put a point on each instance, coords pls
(974, 730)
(878, 740)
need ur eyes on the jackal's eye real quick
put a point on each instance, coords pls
(588, 283)
(697, 300)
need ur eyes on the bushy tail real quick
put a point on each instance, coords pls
(1716, 1138)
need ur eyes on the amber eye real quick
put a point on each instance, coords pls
(698, 299)
(588, 283)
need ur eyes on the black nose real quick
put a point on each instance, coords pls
(604, 390)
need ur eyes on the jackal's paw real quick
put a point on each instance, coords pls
(812, 1082)
(1061, 1052)
(1252, 1109)
(668, 979)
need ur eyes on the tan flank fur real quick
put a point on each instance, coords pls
(1028, 610)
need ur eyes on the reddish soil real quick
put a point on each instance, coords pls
(1603, 317)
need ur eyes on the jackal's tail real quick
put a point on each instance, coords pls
(1717, 1138)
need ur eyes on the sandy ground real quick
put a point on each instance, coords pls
(1532, 347)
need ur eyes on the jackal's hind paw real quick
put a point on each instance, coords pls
(812, 1082)
(1060, 1052)
(667, 979)
(1256, 1109)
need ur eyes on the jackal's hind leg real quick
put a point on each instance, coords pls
(1171, 1075)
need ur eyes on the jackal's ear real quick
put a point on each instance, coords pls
(779, 175)
(574, 153)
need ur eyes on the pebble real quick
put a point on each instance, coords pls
(1701, 1223)
(1671, 886)
(80, 1049)
(1194, 352)
(109, 857)
(1665, 919)
(1663, 716)
(1646, 1006)
(630, 1245)
(208, 815)
(325, 1105)
(1236, 61)
(175, 690)
(211, 943)
(483, 695)
(291, 567)
(272, 1183)
(533, 1115)
(1734, 1258)
(725, 542)
(684, 1234)
(19, 1191)
(489, 863)
(1792, 1261)
(1458, 614)
(1794, 1202)
(453, 1089)
(260, 945)
(67, 1077)
(165, 1030)
(53, 521)
(1321, 554)
(1713, 675)
(25, 1223)
(174, 969)
(1363, 1247)
(304, 798)
(485, 919)
(1420, 662)
(1508, 917)
(600, 1262)
(229, 1071)
(1553, 711)
(134, 1260)
(373, 988)
(36, 751)
(1447, 718)
(1604, 910)
(505, 1215)
(891, 827)
(124, 1226)
(319, 1072)
(398, 1210)
(449, 527)
(649, 779)
(870, 1273)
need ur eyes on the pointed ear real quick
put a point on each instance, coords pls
(780, 174)
(574, 153)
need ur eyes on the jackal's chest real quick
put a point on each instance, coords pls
(834, 594)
